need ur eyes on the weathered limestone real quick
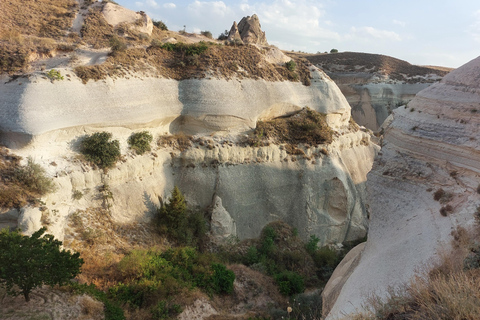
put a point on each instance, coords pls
(33, 106)
(432, 144)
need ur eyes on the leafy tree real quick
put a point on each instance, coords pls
(334, 51)
(177, 222)
(29, 262)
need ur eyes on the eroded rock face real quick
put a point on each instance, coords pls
(115, 15)
(251, 32)
(33, 106)
(434, 146)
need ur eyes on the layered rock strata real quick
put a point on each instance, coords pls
(431, 147)
(321, 192)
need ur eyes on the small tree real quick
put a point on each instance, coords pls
(334, 51)
(29, 262)
(178, 223)
(172, 217)
(98, 149)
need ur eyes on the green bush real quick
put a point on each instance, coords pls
(222, 279)
(207, 34)
(54, 75)
(151, 276)
(311, 245)
(187, 49)
(160, 25)
(32, 177)
(290, 65)
(111, 309)
(140, 141)
(334, 51)
(165, 310)
(98, 149)
(290, 283)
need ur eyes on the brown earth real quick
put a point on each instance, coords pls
(371, 63)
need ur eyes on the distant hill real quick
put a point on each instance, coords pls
(358, 61)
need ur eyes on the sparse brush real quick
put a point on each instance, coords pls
(178, 141)
(140, 142)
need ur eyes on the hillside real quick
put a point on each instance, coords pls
(374, 84)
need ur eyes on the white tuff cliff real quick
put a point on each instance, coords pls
(432, 144)
(317, 193)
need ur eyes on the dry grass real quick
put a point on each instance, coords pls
(217, 61)
(30, 28)
(20, 185)
(94, 234)
(306, 127)
(178, 141)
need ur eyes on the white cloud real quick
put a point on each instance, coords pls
(139, 4)
(372, 33)
(399, 23)
(169, 5)
(151, 3)
(209, 9)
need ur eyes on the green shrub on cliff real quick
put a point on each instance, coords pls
(100, 150)
(140, 142)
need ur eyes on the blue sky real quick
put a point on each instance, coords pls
(423, 32)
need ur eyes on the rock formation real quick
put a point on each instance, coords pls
(234, 35)
(116, 15)
(250, 31)
(430, 160)
(374, 85)
(320, 193)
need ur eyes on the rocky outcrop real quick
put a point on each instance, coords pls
(431, 147)
(375, 85)
(250, 31)
(116, 15)
(234, 34)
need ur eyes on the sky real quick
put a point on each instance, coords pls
(423, 32)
